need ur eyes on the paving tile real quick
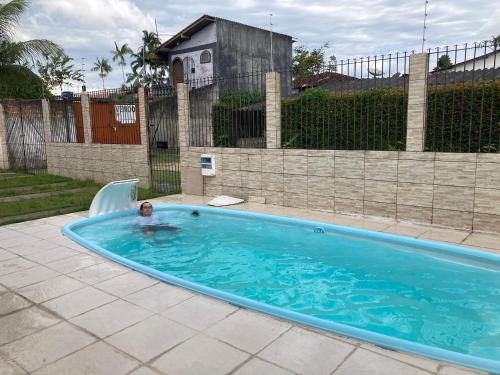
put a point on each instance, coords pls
(111, 318)
(14, 265)
(247, 330)
(144, 371)
(125, 284)
(9, 368)
(48, 289)
(78, 302)
(306, 352)
(406, 230)
(74, 263)
(47, 256)
(159, 297)
(4, 255)
(424, 363)
(19, 240)
(24, 322)
(482, 240)
(199, 312)
(96, 359)
(27, 277)
(2, 289)
(371, 224)
(99, 272)
(445, 235)
(10, 302)
(200, 355)
(150, 337)
(51, 344)
(258, 366)
(365, 362)
(455, 370)
(27, 249)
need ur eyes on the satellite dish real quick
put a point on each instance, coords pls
(375, 72)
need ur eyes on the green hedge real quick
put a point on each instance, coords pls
(18, 82)
(224, 117)
(464, 117)
(367, 120)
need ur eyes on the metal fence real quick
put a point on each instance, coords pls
(356, 104)
(66, 120)
(25, 136)
(228, 111)
(115, 116)
(164, 139)
(463, 106)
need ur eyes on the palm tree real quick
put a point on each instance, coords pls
(20, 53)
(102, 66)
(119, 54)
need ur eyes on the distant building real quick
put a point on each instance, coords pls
(215, 47)
(486, 61)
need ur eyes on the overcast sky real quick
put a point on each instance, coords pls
(88, 28)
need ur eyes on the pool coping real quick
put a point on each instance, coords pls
(369, 336)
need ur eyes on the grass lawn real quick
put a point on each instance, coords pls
(57, 199)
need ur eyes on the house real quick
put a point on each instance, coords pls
(320, 79)
(485, 61)
(214, 47)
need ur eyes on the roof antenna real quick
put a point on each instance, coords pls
(425, 27)
(271, 34)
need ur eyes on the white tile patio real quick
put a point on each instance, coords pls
(66, 310)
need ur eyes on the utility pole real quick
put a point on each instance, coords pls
(425, 27)
(271, 35)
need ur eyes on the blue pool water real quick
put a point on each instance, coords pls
(427, 295)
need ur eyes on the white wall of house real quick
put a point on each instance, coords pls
(206, 35)
(201, 71)
(481, 62)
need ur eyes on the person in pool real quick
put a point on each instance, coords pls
(149, 222)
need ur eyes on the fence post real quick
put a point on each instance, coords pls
(143, 124)
(46, 121)
(4, 156)
(273, 110)
(87, 121)
(183, 115)
(417, 102)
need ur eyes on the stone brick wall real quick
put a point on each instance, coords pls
(452, 190)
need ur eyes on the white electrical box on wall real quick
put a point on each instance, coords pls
(207, 165)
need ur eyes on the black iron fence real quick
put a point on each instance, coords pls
(66, 120)
(463, 107)
(228, 111)
(25, 135)
(356, 104)
(164, 139)
(114, 116)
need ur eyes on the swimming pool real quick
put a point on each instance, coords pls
(433, 299)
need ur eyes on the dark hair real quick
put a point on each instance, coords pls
(142, 206)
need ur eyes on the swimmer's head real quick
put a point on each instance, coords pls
(146, 209)
(195, 213)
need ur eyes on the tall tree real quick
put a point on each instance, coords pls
(58, 70)
(444, 62)
(19, 53)
(307, 63)
(119, 56)
(495, 40)
(145, 66)
(102, 66)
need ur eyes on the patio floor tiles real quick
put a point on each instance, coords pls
(199, 312)
(99, 272)
(407, 230)
(50, 345)
(96, 359)
(31, 248)
(446, 235)
(78, 302)
(4, 255)
(200, 355)
(483, 240)
(306, 352)
(247, 330)
(364, 362)
(125, 284)
(27, 277)
(47, 256)
(159, 297)
(48, 289)
(258, 366)
(111, 318)
(8, 367)
(10, 302)
(24, 322)
(150, 338)
(15, 264)
(144, 371)
(74, 263)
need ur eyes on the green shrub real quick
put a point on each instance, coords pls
(18, 82)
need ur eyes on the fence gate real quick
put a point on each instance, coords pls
(164, 139)
(25, 136)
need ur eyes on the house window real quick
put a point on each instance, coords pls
(205, 57)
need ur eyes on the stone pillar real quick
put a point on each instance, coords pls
(143, 123)
(4, 156)
(87, 121)
(273, 110)
(183, 115)
(417, 102)
(46, 121)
